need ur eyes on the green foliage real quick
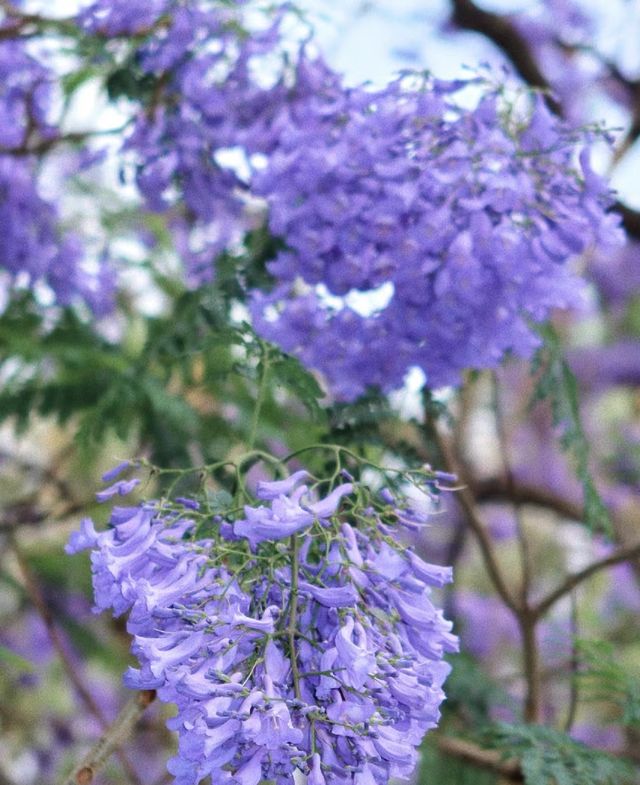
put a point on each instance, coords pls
(550, 757)
(162, 383)
(435, 768)
(557, 384)
(70, 371)
(129, 81)
(289, 373)
(359, 422)
(603, 678)
(472, 694)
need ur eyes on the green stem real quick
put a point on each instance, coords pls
(293, 615)
(262, 388)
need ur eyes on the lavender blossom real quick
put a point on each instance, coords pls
(469, 221)
(325, 659)
(460, 225)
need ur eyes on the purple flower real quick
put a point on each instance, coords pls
(120, 488)
(116, 471)
(287, 514)
(271, 490)
(421, 219)
(331, 597)
(360, 670)
(87, 537)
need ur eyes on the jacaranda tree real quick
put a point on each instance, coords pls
(358, 367)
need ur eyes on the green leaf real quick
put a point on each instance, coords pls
(472, 694)
(288, 372)
(359, 421)
(129, 82)
(557, 385)
(603, 678)
(550, 757)
(75, 79)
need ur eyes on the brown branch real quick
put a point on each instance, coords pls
(35, 22)
(627, 553)
(115, 735)
(630, 219)
(499, 489)
(37, 598)
(483, 759)
(468, 503)
(504, 34)
(19, 515)
(73, 138)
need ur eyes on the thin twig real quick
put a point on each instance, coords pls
(518, 492)
(262, 389)
(575, 662)
(73, 138)
(27, 24)
(37, 598)
(523, 542)
(292, 627)
(115, 735)
(527, 622)
(468, 504)
(477, 756)
(626, 553)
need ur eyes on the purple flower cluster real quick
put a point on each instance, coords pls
(457, 226)
(467, 217)
(321, 653)
(212, 101)
(35, 247)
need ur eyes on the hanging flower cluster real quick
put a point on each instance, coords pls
(458, 224)
(463, 220)
(297, 635)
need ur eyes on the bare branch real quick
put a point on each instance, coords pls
(627, 553)
(483, 759)
(499, 489)
(37, 598)
(115, 735)
(506, 36)
(630, 219)
(468, 504)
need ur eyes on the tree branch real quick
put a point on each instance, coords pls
(504, 34)
(499, 489)
(468, 504)
(477, 756)
(33, 22)
(115, 735)
(37, 598)
(630, 219)
(627, 553)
